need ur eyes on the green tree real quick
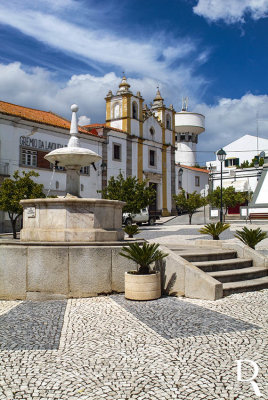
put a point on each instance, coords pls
(136, 194)
(189, 203)
(230, 198)
(21, 187)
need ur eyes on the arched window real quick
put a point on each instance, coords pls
(168, 122)
(117, 113)
(134, 110)
(152, 131)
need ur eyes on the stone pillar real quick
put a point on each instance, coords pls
(73, 181)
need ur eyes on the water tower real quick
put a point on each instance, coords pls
(188, 126)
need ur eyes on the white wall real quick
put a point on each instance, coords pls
(235, 176)
(185, 153)
(152, 122)
(114, 167)
(188, 180)
(244, 148)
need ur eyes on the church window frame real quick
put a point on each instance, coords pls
(117, 151)
(168, 122)
(135, 110)
(152, 158)
(117, 110)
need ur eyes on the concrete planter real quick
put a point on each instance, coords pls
(142, 287)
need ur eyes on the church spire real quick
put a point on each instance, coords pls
(124, 86)
(158, 100)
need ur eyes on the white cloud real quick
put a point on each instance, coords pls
(83, 120)
(226, 121)
(103, 49)
(38, 88)
(231, 11)
(230, 119)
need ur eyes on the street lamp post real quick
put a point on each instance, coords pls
(221, 157)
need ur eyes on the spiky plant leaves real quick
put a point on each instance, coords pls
(131, 230)
(143, 255)
(214, 230)
(251, 237)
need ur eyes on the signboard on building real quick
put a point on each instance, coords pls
(39, 144)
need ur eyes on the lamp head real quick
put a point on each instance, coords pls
(221, 155)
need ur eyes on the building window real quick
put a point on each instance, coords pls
(116, 152)
(85, 170)
(197, 180)
(182, 138)
(134, 110)
(152, 158)
(29, 158)
(168, 122)
(152, 131)
(231, 162)
(180, 184)
(82, 187)
(57, 185)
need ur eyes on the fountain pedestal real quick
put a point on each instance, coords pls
(71, 219)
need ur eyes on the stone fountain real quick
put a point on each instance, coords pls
(71, 218)
(69, 246)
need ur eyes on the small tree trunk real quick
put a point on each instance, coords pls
(190, 219)
(13, 224)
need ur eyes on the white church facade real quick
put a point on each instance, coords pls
(134, 140)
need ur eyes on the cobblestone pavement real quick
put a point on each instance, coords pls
(111, 348)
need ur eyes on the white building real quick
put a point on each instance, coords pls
(238, 152)
(135, 141)
(191, 179)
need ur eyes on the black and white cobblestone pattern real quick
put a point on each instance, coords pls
(112, 349)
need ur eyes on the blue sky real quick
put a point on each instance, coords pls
(58, 52)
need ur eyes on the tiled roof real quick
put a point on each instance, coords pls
(96, 126)
(39, 116)
(194, 168)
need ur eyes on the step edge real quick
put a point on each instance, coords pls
(234, 272)
(243, 284)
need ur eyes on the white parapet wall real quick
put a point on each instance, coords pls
(181, 278)
(42, 272)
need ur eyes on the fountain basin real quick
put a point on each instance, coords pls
(71, 219)
(72, 156)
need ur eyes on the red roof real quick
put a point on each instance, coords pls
(194, 168)
(42, 117)
(96, 126)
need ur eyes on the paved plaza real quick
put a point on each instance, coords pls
(110, 348)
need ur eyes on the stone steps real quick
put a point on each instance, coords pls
(245, 286)
(208, 256)
(223, 265)
(236, 275)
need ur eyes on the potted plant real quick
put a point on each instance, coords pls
(251, 237)
(214, 230)
(144, 283)
(131, 230)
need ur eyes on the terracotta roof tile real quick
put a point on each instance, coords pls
(39, 116)
(96, 126)
(194, 168)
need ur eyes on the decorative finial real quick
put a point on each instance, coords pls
(74, 108)
(74, 141)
